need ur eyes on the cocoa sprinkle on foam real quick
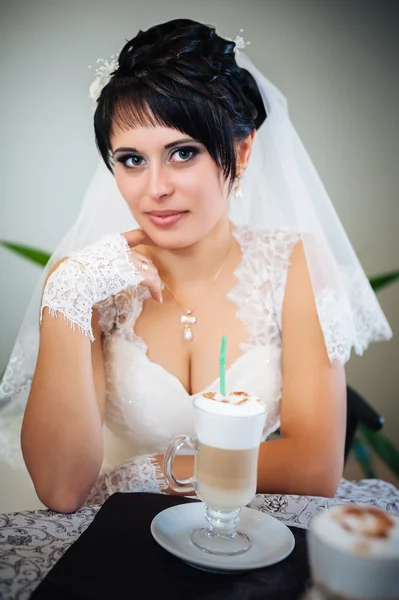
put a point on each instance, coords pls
(234, 398)
(367, 521)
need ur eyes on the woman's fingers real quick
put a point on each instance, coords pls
(152, 280)
(136, 237)
(149, 273)
(135, 254)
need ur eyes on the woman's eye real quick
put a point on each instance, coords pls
(132, 161)
(184, 154)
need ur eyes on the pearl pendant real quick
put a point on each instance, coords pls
(188, 334)
(188, 319)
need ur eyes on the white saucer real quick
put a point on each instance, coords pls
(272, 541)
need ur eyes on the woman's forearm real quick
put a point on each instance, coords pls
(298, 466)
(61, 435)
(285, 466)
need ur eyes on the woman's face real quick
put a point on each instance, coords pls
(171, 184)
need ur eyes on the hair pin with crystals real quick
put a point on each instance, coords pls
(104, 71)
(102, 76)
(240, 42)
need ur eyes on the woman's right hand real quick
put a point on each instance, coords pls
(149, 273)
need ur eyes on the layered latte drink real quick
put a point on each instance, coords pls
(229, 431)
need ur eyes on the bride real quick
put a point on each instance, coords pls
(206, 218)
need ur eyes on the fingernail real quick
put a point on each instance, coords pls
(161, 299)
(162, 286)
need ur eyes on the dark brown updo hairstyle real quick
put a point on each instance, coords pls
(181, 74)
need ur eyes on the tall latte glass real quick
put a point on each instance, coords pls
(228, 431)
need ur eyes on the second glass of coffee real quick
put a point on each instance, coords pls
(228, 432)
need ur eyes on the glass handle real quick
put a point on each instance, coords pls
(185, 485)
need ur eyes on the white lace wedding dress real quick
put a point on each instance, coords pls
(146, 406)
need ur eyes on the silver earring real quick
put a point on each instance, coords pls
(237, 193)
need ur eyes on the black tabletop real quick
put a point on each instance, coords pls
(117, 557)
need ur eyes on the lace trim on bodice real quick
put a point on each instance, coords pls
(258, 293)
(261, 279)
(346, 313)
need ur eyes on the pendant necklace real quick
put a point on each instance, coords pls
(187, 318)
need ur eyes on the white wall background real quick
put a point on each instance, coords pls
(335, 60)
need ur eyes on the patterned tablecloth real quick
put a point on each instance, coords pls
(31, 542)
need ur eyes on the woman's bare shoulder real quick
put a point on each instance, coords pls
(55, 265)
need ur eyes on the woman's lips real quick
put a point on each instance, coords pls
(166, 218)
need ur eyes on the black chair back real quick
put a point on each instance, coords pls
(358, 410)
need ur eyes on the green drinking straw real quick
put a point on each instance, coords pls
(222, 362)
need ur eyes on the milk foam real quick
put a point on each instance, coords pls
(359, 530)
(235, 404)
(232, 422)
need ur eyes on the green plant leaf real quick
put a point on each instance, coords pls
(383, 447)
(362, 455)
(380, 281)
(39, 257)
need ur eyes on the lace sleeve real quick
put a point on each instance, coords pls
(261, 278)
(88, 277)
(334, 313)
